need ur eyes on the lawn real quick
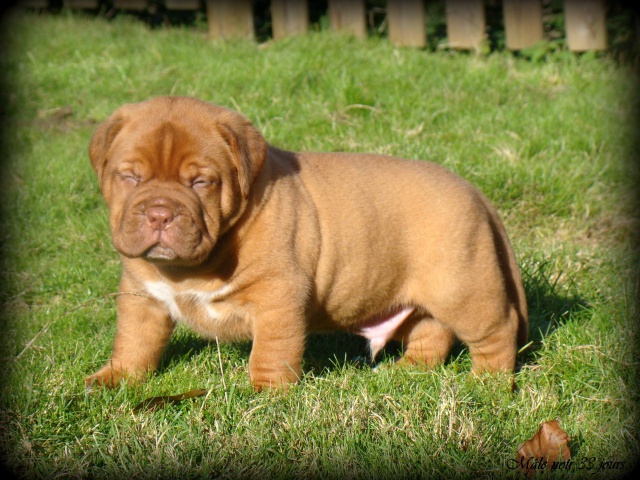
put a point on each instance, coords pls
(548, 141)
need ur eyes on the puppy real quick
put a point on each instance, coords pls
(238, 239)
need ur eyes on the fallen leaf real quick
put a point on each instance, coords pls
(57, 113)
(151, 404)
(547, 447)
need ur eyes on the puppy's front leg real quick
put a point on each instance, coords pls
(278, 347)
(143, 330)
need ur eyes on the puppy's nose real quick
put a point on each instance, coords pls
(159, 217)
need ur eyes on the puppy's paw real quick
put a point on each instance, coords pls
(272, 384)
(271, 379)
(110, 377)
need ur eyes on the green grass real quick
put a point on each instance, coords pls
(548, 141)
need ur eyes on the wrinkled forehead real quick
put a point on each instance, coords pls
(165, 141)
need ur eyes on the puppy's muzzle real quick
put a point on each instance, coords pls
(159, 218)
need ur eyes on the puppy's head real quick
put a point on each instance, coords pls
(176, 173)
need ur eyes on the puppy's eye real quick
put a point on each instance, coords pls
(129, 178)
(202, 182)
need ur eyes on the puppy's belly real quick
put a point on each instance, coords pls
(202, 312)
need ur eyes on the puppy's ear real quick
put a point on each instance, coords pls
(101, 141)
(248, 149)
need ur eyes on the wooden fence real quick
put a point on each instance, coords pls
(585, 27)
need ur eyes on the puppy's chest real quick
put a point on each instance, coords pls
(211, 313)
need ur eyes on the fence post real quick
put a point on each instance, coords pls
(182, 4)
(406, 23)
(289, 17)
(465, 23)
(585, 24)
(230, 19)
(522, 23)
(348, 16)
(130, 4)
(33, 3)
(80, 3)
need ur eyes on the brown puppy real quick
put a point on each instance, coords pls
(240, 240)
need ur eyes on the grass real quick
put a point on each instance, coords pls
(549, 142)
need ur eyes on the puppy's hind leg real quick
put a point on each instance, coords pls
(426, 342)
(493, 342)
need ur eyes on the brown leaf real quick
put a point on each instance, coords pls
(153, 403)
(57, 113)
(546, 448)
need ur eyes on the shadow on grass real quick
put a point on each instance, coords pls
(330, 351)
(186, 344)
(323, 351)
(551, 301)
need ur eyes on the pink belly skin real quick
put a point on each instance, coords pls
(381, 329)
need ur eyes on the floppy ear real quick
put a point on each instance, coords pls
(248, 149)
(101, 140)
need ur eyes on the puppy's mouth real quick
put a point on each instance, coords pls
(160, 253)
(163, 231)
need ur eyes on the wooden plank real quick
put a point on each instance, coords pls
(182, 4)
(230, 19)
(406, 23)
(289, 17)
(130, 4)
(585, 24)
(348, 16)
(465, 23)
(32, 3)
(89, 4)
(522, 23)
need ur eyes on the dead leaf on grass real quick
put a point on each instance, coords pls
(57, 113)
(546, 448)
(153, 403)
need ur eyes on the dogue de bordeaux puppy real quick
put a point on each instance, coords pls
(238, 239)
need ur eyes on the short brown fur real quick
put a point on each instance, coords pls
(239, 239)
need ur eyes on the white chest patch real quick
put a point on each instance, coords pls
(210, 313)
(164, 293)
